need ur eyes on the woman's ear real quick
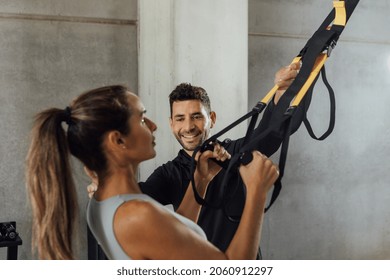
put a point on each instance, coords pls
(115, 140)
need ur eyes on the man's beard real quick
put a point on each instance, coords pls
(190, 146)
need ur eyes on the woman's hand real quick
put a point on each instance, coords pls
(260, 174)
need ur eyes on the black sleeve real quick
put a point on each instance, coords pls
(159, 186)
(167, 184)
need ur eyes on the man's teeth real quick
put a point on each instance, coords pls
(188, 136)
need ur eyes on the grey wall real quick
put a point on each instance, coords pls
(335, 201)
(50, 52)
(335, 196)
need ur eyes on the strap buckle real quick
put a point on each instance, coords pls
(331, 46)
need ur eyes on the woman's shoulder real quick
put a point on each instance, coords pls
(135, 225)
(141, 212)
(138, 207)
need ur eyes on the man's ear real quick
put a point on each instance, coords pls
(171, 123)
(213, 118)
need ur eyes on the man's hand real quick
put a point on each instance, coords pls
(284, 78)
(205, 171)
(206, 168)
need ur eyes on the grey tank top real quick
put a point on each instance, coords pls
(100, 219)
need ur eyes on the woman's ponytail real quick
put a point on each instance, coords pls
(50, 186)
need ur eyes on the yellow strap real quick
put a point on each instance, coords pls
(341, 15)
(340, 19)
(316, 70)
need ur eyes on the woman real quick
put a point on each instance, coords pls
(110, 134)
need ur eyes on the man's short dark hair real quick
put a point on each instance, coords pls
(185, 91)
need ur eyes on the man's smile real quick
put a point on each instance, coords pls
(190, 136)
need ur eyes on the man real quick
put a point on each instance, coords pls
(190, 121)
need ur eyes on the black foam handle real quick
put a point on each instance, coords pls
(246, 158)
(210, 147)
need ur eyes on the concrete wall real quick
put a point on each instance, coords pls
(335, 201)
(50, 52)
(53, 50)
(201, 42)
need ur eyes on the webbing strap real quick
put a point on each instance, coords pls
(291, 109)
(332, 118)
(286, 139)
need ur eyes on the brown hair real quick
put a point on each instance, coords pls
(49, 179)
(186, 91)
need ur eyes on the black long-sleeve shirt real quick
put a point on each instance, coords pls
(169, 182)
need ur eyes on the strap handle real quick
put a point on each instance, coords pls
(332, 119)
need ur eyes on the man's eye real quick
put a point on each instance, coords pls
(179, 120)
(143, 121)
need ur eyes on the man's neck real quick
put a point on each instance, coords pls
(190, 153)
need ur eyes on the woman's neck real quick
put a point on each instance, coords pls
(119, 181)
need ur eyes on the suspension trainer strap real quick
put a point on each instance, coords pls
(332, 118)
(292, 107)
(341, 13)
(228, 165)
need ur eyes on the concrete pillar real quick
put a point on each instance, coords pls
(202, 42)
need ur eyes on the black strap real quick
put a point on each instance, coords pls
(332, 118)
(282, 164)
(285, 119)
(233, 162)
